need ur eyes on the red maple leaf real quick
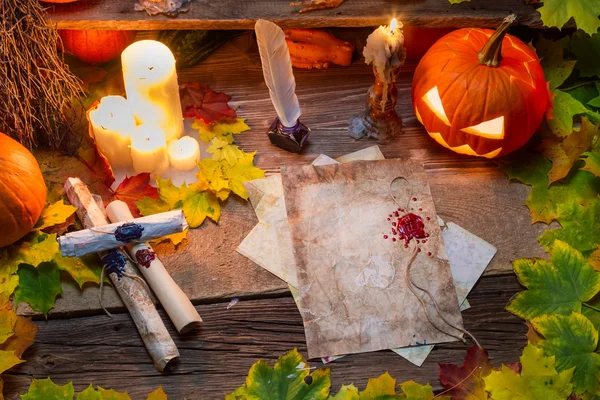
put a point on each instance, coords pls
(203, 103)
(468, 378)
(133, 189)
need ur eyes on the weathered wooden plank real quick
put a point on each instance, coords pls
(242, 14)
(215, 359)
(468, 191)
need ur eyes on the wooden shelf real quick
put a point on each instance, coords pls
(242, 14)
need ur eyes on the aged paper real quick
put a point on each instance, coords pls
(353, 295)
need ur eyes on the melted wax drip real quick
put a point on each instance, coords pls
(145, 257)
(408, 226)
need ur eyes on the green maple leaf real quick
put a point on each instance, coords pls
(289, 379)
(590, 311)
(383, 387)
(580, 226)
(595, 100)
(587, 50)
(54, 214)
(572, 340)
(565, 108)
(532, 169)
(102, 394)
(557, 286)
(82, 270)
(592, 162)
(45, 389)
(538, 379)
(564, 153)
(559, 12)
(556, 68)
(38, 287)
(199, 205)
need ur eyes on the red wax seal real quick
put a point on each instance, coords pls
(411, 226)
(145, 257)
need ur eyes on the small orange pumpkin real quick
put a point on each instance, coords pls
(480, 92)
(96, 46)
(22, 191)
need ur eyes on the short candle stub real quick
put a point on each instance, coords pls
(290, 139)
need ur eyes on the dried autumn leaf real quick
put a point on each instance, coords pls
(23, 337)
(221, 130)
(54, 214)
(560, 286)
(572, 340)
(175, 238)
(594, 259)
(580, 226)
(470, 384)
(8, 359)
(39, 286)
(290, 379)
(563, 154)
(135, 188)
(201, 102)
(538, 379)
(8, 319)
(44, 389)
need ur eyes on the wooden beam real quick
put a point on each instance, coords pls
(215, 359)
(242, 14)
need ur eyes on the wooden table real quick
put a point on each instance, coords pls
(82, 345)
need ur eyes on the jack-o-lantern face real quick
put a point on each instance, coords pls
(479, 92)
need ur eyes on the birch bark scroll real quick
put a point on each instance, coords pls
(176, 303)
(112, 236)
(154, 334)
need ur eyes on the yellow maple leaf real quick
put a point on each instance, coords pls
(8, 359)
(22, 338)
(223, 131)
(243, 171)
(175, 238)
(54, 214)
(158, 394)
(211, 172)
(221, 150)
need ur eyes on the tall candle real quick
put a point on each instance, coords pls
(149, 150)
(184, 153)
(113, 124)
(385, 50)
(151, 86)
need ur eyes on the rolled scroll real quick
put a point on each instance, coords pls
(154, 334)
(176, 303)
(139, 230)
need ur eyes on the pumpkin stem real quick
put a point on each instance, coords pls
(491, 53)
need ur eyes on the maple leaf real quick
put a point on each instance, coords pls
(290, 379)
(592, 162)
(473, 387)
(38, 287)
(595, 100)
(199, 205)
(458, 1)
(346, 392)
(8, 319)
(572, 340)
(559, 12)
(158, 394)
(580, 226)
(54, 214)
(211, 173)
(175, 238)
(243, 171)
(44, 389)
(565, 108)
(594, 259)
(222, 151)
(563, 154)
(532, 169)
(133, 189)
(538, 379)
(8, 359)
(587, 50)
(560, 286)
(23, 336)
(221, 130)
(83, 269)
(415, 391)
(201, 102)
(556, 68)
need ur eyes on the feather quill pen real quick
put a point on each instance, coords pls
(277, 70)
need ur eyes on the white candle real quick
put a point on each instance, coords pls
(184, 153)
(113, 124)
(151, 86)
(149, 150)
(385, 50)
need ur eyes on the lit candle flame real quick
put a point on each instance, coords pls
(393, 25)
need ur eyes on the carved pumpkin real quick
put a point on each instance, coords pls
(22, 191)
(96, 46)
(480, 92)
